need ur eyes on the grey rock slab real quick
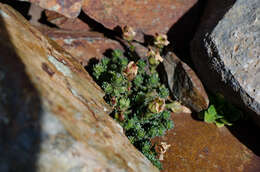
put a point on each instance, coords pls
(226, 51)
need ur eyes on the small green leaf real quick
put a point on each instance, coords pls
(212, 110)
(209, 117)
(124, 103)
(219, 124)
(117, 53)
(166, 114)
(107, 88)
(169, 124)
(124, 62)
(163, 91)
(141, 64)
(105, 61)
(224, 121)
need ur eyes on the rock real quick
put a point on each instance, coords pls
(184, 84)
(69, 8)
(226, 52)
(53, 116)
(66, 23)
(85, 45)
(200, 147)
(35, 13)
(146, 17)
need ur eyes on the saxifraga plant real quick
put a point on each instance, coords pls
(140, 102)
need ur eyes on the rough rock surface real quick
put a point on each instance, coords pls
(82, 45)
(146, 16)
(200, 147)
(184, 83)
(64, 22)
(35, 13)
(52, 114)
(226, 52)
(85, 45)
(69, 8)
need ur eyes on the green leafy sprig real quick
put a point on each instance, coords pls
(221, 112)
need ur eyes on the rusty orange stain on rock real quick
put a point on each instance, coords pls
(85, 45)
(146, 16)
(82, 45)
(200, 147)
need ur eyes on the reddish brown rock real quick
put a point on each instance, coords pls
(184, 83)
(52, 114)
(200, 147)
(69, 8)
(64, 22)
(84, 45)
(146, 16)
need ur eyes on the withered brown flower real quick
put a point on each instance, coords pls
(131, 71)
(128, 33)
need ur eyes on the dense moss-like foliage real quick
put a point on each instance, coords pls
(138, 98)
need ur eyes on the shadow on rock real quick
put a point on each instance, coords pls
(248, 134)
(20, 112)
(245, 131)
(181, 33)
(22, 7)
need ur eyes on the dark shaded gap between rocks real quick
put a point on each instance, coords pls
(98, 27)
(20, 112)
(43, 20)
(248, 134)
(21, 6)
(182, 32)
(114, 34)
(244, 130)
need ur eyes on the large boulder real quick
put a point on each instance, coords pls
(88, 45)
(52, 114)
(83, 45)
(226, 52)
(146, 16)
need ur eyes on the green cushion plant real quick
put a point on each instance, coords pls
(141, 104)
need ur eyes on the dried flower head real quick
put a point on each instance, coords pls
(113, 101)
(121, 116)
(131, 71)
(154, 55)
(157, 105)
(128, 33)
(161, 149)
(161, 40)
(177, 107)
